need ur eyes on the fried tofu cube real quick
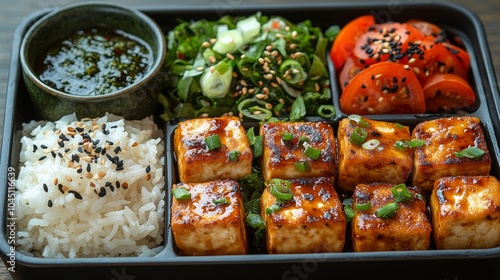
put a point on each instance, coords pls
(408, 229)
(312, 222)
(437, 157)
(465, 212)
(285, 145)
(197, 163)
(384, 163)
(211, 221)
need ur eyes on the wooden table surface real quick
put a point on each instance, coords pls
(14, 12)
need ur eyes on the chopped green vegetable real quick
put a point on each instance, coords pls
(181, 193)
(371, 144)
(312, 153)
(221, 200)
(233, 155)
(298, 110)
(273, 208)
(255, 221)
(363, 206)
(302, 166)
(349, 212)
(388, 210)
(326, 111)
(358, 136)
(359, 120)
(269, 60)
(400, 193)
(470, 152)
(213, 142)
(281, 189)
(258, 146)
(286, 136)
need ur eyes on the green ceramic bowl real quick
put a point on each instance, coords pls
(135, 101)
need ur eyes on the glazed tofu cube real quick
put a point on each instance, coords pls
(384, 163)
(211, 221)
(285, 145)
(197, 163)
(408, 229)
(464, 212)
(312, 222)
(443, 138)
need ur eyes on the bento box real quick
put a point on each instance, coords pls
(170, 263)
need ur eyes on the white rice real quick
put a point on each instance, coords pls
(54, 221)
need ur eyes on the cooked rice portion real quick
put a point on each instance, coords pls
(91, 188)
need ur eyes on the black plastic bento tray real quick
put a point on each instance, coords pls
(429, 264)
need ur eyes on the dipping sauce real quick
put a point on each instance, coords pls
(94, 62)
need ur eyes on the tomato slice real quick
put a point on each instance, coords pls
(349, 70)
(344, 42)
(383, 88)
(428, 57)
(428, 29)
(446, 92)
(384, 42)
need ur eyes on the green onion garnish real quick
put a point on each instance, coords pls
(371, 144)
(414, 143)
(233, 155)
(286, 136)
(273, 208)
(349, 213)
(257, 147)
(326, 111)
(471, 152)
(359, 120)
(398, 125)
(401, 193)
(363, 206)
(213, 142)
(181, 193)
(251, 136)
(358, 136)
(221, 200)
(255, 221)
(281, 189)
(387, 211)
(302, 166)
(312, 153)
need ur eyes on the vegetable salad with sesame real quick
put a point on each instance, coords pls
(255, 67)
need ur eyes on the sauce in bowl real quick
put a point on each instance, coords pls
(94, 62)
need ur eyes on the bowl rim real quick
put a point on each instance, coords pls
(155, 68)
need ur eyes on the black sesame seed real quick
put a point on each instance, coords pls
(43, 146)
(363, 86)
(42, 158)
(103, 151)
(75, 157)
(107, 184)
(438, 93)
(117, 149)
(60, 188)
(98, 150)
(45, 188)
(60, 143)
(35, 147)
(394, 79)
(80, 149)
(403, 79)
(112, 188)
(119, 168)
(79, 170)
(60, 155)
(53, 154)
(76, 194)
(105, 131)
(63, 137)
(117, 184)
(79, 129)
(102, 192)
(49, 203)
(365, 98)
(88, 167)
(148, 168)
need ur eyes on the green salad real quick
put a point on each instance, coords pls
(254, 67)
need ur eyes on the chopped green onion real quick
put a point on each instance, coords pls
(181, 193)
(414, 143)
(273, 208)
(326, 111)
(213, 142)
(233, 155)
(298, 110)
(349, 212)
(215, 83)
(302, 166)
(251, 136)
(387, 211)
(470, 152)
(249, 28)
(312, 153)
(398, 125)
(228, 41)
(256, 112)
(420, 196)
(292, 71)
(401, 193)
(402, 144)
(363, 206)
(304, 139)
(371, 144)
(221, 200)
(358, 136)
(359, 120)
(286, 136)
(255, 221)
(281, 189)
(257, 147)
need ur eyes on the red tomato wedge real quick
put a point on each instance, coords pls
(428, 29)
(349, 70)
(446, 92)
(384, 42)
(428, 57)
(344, 42)
(383, 88)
